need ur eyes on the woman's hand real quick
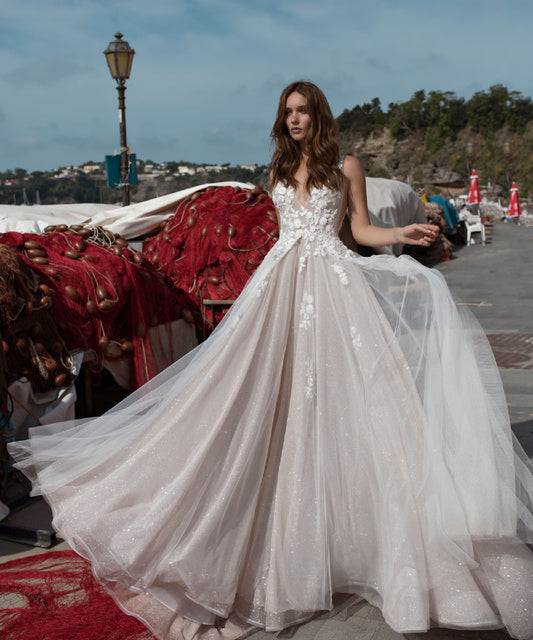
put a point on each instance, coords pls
(421, 234)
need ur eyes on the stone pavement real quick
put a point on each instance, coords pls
(496, 282)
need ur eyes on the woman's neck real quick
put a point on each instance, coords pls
(301, 174)
(304, 150)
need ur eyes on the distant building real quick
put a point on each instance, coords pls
(154, 169)
(66, 172)
(184, 170)
(251, 167)
(90, 167)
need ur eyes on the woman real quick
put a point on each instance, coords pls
(303, 158)
(344, 429)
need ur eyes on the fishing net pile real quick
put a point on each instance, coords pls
(103, 295)
(55, 596)
(211, 246)
(31, 344)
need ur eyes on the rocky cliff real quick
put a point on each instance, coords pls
(416, 158)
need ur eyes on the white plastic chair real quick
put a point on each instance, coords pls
(473, 224)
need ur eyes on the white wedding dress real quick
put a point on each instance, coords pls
(344, 429)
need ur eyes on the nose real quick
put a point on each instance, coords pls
(295, 117)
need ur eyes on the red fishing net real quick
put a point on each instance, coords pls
(31, 344)
(54, 596)
(212, 244)
(104, 296)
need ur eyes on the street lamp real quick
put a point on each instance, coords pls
(119, 57)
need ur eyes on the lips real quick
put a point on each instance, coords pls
(296, 130)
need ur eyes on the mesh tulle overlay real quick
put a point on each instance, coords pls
(344, 429)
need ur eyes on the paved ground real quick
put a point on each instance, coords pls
(496, 282)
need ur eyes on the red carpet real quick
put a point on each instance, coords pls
(54, 596)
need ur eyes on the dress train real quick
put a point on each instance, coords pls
(343, 430)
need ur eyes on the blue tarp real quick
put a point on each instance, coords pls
(450, 212)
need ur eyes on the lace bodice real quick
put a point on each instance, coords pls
(312, 227)
(319, 216)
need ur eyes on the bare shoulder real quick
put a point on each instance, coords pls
(353, 169)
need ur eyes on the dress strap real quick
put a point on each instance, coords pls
(341, 162)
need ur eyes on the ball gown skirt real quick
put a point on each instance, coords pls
(344, 429)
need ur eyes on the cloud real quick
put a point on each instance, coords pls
(379, 65)
(80, 140)
(44, 72)
(207, 74)
(219, 137)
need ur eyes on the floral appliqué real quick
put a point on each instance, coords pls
(357, 341)
(314, 225)
(307, 311)
(310, 379)
(340, 272)
(262, 285)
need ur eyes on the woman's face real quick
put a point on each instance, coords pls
(297, 118)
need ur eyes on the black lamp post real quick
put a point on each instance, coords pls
(119, 57)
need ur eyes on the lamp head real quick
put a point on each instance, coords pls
(119, 56)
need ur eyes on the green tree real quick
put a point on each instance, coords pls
(172, 167)
(487, 110)
(519, 112)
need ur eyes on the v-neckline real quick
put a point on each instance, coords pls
(304, 206)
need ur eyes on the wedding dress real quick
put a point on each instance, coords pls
(343, 430)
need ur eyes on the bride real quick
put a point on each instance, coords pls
(343, 430)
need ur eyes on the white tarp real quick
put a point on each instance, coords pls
(390, 202)
(33, 219)
(31, 407)
(393, 204)
(133, 221)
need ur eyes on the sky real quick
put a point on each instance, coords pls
(207, 74)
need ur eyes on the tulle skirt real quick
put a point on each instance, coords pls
(344, 429)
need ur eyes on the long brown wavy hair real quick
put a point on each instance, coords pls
(323, 160)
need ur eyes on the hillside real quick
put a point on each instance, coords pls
(434, 140)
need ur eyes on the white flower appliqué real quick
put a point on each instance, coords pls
(262, 285)
(314, 226)
(310, 382)
(340, 272)
(307, 311)
(357, 341)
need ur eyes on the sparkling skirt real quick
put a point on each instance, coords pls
(342, 431)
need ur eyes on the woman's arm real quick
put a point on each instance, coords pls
(364, 232)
